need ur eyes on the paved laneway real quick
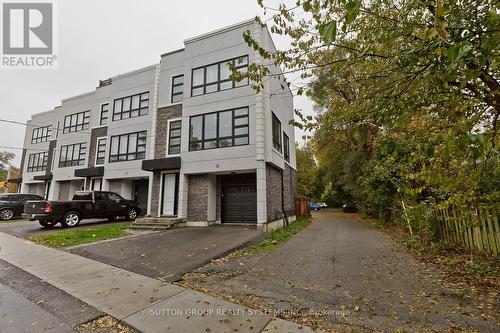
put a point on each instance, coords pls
(342, 273)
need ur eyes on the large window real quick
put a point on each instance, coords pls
(41, 134)
(103, 120)
(72, 155)
(101, 151)
(276, 133)
(37, 162)
(174, 137)
(131, 106)
(219, 129)
(215, 77)
(128, 147)
(76, 122)
(177, 89)
(286, 147)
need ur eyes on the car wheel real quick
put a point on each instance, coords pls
(6, 214)
(47, 224)
(70, 219)
(132, 214)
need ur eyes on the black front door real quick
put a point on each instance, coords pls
(141, 194)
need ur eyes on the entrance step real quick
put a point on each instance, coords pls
(156, 223)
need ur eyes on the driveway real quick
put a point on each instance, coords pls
(170, 254)
(26, 228)
(342, 274)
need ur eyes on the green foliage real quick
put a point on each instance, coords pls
(408, 101)
(307, 173)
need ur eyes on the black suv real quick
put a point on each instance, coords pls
(12, 204)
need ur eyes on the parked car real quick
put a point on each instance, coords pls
(314, 206)
(85, 205)
(12, 204)
(349, 207)
(322, 205)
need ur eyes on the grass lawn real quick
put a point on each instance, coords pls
(80, 235)
(278, 236)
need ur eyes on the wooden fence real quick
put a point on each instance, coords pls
(302, 207)
(476, 229)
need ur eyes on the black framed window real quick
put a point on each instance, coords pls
(276, 133)
(286, 147)
(101, 151)
(37, 162)
(177, 89)
(41, 134)
(216, 77)
(76, 122)
(104, 114)
(128, 147)
(72, 155)
(219, 129)
(174, 137)
(131, 106)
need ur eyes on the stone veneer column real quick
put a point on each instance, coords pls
(260, 142)
(183, 196)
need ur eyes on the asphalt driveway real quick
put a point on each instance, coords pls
(339, 273)
(170, 254)
(27, 228)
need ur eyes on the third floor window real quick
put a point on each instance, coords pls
(41, 134)
(131, 106)
(76, 122)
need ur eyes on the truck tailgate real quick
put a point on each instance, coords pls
(34, 207)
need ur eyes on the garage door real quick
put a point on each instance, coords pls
(239, 204)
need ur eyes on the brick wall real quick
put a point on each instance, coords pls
(197, 198)
(155, 195)
(96, 133)
(273, 192)
(63, 190)
(115, 185)
(50, 154)
(164, 114)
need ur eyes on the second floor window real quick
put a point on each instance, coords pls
(216, 77)
(76, 122)
(276, 133)
(101, 151)
(37, 162)
(219, 129)
(286, 147)
(128, 147)
(131, 106)
(41, 134)
(72, 155)
(103, 120)
(177, 89)
(174, 137)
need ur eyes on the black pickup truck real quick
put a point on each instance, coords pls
(85, 205)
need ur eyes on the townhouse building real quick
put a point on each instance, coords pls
(179, 136)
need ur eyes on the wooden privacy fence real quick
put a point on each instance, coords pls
(476, 229)
(302, 207)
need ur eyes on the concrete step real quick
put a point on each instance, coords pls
(155, 223)
(153, 228)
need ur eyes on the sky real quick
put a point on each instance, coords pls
(102, 38)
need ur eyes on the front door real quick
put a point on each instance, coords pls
(168, 206)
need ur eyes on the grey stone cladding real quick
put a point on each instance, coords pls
(197, 198)
(96, 133)
(64, 190)
(289, 187)
(115, 185)
(164, 115)
(273, 192)
(155, 194)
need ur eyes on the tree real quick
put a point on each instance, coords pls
(306, 172)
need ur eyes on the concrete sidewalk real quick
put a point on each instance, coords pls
(146, 304)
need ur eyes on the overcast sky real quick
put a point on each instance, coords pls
(103, 38)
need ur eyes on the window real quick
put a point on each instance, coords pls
(76, 122)
(286, 147)
(216, 77)
(104, 114)
(177, 89)
(37, 162)
(219, 129)
(276, 133)
(41, 134)
(131, 106)
(174, 137)
(128, 147)
(101, 151)
(72, 155)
